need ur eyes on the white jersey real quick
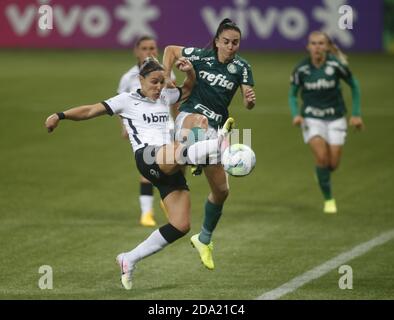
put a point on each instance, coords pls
(130, 81)
(147, 122)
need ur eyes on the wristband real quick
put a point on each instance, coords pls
(61, 115)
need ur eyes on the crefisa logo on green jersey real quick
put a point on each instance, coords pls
(320, 84)
(217, 79)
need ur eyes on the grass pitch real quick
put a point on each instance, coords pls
(70, 199)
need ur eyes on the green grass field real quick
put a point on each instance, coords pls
(70, 199)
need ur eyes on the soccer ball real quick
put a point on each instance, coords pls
(238, 160)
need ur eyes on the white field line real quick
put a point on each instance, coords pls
(326, 267)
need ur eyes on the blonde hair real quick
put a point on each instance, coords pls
(333, 48)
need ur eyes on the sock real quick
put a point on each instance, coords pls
(154, 243)
(196, 134)
(146, 197)
(157, 241)
(198, 152)
(211, 218)
(323, 177)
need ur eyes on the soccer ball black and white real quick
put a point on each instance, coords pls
(238, 160)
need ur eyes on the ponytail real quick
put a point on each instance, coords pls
(334, 49)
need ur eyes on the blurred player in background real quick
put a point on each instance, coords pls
(322, 115)
(219, 71)
(144, 47)
(158, 158)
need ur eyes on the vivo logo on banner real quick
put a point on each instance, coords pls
(291, 22)
(94, 21)
(268, 24)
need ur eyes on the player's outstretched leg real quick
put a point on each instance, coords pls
(204, 250)
(126, 271)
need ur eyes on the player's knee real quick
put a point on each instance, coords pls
(334, 166)
(202, 121)
(184, 227)
(221, 195)
(173, 231)
(322, 161)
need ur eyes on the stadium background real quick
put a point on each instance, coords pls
(69, 200)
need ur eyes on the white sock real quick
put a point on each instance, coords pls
(146, 203)
(198, 152)
(154, 243)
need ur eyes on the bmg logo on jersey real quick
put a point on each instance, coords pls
(155, 118)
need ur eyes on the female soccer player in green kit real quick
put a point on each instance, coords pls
(322, 116)
(219, 71)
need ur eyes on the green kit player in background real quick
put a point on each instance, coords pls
(220, 72)
(322, 115)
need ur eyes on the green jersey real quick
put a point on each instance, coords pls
(216, 84)
(320, 88)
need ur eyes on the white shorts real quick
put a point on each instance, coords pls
(211, 133)
(332, 131)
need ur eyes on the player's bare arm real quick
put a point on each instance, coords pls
(249, 96)
(185, 65)
(76, 114)
(171, 54)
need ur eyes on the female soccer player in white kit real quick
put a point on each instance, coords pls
(158, 158)
(144, 47)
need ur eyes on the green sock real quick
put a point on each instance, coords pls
(323, 177)
(196, 134)
(211, 218)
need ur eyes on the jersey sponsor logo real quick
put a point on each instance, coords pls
(231, 68)
(245, 75)
(189, 50)
(239, 63)
(329, 70)
(208, 112)
(304, 69)
(337, 65)
(320, 84)
(193, 58)
(155, 118)
(316, 112)
(217, 79)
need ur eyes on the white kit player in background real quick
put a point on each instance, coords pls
(144, 47)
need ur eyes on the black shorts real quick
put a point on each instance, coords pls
(151, 171)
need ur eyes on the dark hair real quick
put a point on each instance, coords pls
(150, 64)
(225, 24)
(143, 38)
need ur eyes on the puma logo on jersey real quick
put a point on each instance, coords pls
(156, 118)
(217, 79)
(320, 84)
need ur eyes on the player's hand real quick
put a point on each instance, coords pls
(250, 96)
(357, 123)
(52, 122)
(183, 64)
(298, 121)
